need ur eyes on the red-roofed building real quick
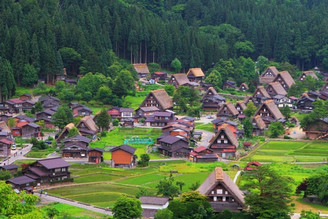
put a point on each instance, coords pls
(252, 165)
(202, 154)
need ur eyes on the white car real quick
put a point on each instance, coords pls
(13, 147)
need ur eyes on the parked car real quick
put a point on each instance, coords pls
(48, 142)
(13, 147)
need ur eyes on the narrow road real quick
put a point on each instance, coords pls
(206, 137)
(236, 176)
(75, 203)
(19, 155)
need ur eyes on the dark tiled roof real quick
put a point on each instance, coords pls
(188, 118)
(52, 163)
(28, 119)
(124, 147)
(38, 171)
(9, 167)
(162, 114)
(153, 200)
(97, 149)
(149, 109)
(78, 138)
(33, 125)
(126, 110)
(21, 180)
(170, 139)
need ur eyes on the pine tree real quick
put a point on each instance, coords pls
(103, 120)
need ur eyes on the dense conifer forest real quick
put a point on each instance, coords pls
(40, 37)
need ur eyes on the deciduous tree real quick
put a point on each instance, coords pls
(127, 208)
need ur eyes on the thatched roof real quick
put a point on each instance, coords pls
(4, 127)
(259, 122)
(277, 88)
(89, 123)
(164, 100)
(218, 176)
(241, 104)
(262, 92)
(265, 79)
(196, 72)
(273, 109)
(141, 68)
(289, 81)
(224, 128)
(181, 78)
(230, 107)
(66, 128)
(308, 73)
(245, 85)
(247, 98)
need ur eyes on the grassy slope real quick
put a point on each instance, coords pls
(206, 127)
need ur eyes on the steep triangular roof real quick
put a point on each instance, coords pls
(308, 73)
(230, 107)
(289, 81)
(273, 109)
(225, 128)
(218, 176)
(277, 87)
(141, 68)
(264, 78)
(245, 85)
(197, 72)
(241, 104)
(66, 128)
(259, 122)
(181, 78)
(4, 127)
(89, 123)
(164, 100)
(262, 91)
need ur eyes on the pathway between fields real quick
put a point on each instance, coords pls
(236, 176)
(75, 203)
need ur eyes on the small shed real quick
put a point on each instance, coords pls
(123, 156)
(12, 168)
(96, 155)
(151, 204)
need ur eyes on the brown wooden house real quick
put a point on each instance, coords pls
(229, 84)
(258, 126)
(160, 119)
(227, 110)
(240, 107)
(211, 100)
(224, 143)
(141, 69)
(269, 75)
(76, 147)
(5, 147)
(143, 112)
(114, 112)
(222, 193)
(179, 79)
(30, 130)
(317, 130)
(48, 170)
(202, 154)
(95, 155)
(46, 116)
(269, 112)
(243, 87)
(307, 73)
(123, 156)
(173, 146)
(22, 183)
(158, 98)
(87, 126)
(285, 79)
(12, 168)
(25, 97)
(275, 88)
(195, 75)
(260, 95)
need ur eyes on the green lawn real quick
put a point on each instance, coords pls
(39, 153)
(133, 101)
(290, 151)
(203, 126)
(68, 211)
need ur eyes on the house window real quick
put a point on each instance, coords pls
(57, 170)
(215, 198)
(219, 191)
(223, 199)
(222, 136)
(63, 169)
(212, 192)
(233, 200)
(226, 192)
(226, 141)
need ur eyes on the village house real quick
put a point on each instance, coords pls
(229, 84)
(307, 73)
(269, 75)
(114, 112)
(151, 204)
(275, 88)
(95, 155)
(65, 132)
(4, 109)
(305, 103)
(127, 117)
(143, 112)
(87, 126)
(227, 110)
(179, 79)
(5, 117)
(222, 192)
(48, 170)
(324, 87)
(30, 130)
(252, 165)
(160, 119)
(22, 183)
(258, 126)
(14, 105)
(202, 154)
(240, 107)
(195, 75)
(158, 98)
(173, 146)
(313, 94)
(24, 97)
(260, 95)
(218, 123)
(243, 87)
(27, 105)
(82, 111)
(285, 79)
(46, 116)
(211, 100)
(247, 98)
(4, 128)
(49, 102)
(123, 156)
(159, 76)
(224, 143)
(76, 147)
(317, 130)
(12, 168)
(141, 69)
(282, 101)
(5, 147)
(269, 112)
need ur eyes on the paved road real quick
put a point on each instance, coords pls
(75, 203)
(19, 156)
(236, 176)
(206, 137)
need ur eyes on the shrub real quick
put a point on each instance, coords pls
(103, 134)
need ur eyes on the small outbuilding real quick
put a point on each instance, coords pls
(123, 156)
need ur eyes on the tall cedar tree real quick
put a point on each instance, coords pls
(103, 120)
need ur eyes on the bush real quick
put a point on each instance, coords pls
(287, 137)
(103, 134)
(116, 122)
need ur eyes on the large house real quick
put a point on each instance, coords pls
(227, 110)
(87, 126)
(14, 105)
(160, 119)
(49, 102)
(305, 102)
(275, 88)
(202, 154)
(179, 79)
(141, 69)
(285, 79)
(76, 147)
(158, 98)
(260, 95)
(123, 156)
(211, 100)
(269, 112)
(143, 112)
(222, 193)
(224, 143)
(283, 101)
(173, 146)
(269, 75)
(307, 73)
(195, 75)
(46, 116)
